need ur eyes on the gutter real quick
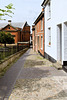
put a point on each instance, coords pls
(39, 17)
(44, 3)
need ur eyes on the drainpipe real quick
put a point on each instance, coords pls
(43, 9)
(44, 30)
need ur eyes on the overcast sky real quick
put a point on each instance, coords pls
(25, 10)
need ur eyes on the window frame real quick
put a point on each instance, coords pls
(49, 36)
(41, 42)
(49, 10)
(41, 24)
(36, 29)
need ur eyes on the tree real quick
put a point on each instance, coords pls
(7, 11)
(6, 38)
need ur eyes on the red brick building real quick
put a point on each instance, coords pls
(20, 31)
(38, 34)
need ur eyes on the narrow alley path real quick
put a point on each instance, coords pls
(39, 80)
(8, 80)
(33, 78)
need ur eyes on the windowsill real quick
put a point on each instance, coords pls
(49, 45)
(41, 48)
(49, 18)
(41, 29)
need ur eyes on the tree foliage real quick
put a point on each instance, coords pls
(7, 11)
(6, 38)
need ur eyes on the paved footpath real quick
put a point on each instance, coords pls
(39, 80)
(33, 78)
(8, 80)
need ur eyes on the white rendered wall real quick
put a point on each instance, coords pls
(58, 16)
(65, 41)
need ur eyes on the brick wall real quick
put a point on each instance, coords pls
(19, 36)
(26, 34)
(38, 32)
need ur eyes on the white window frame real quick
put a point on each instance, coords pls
(49, 36)
(38, 41)
(49, 10)
(41, 42)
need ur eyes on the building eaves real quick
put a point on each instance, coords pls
(25, 24)
(8, 25)
(44, 2)
(39, 17)
(10, 30)
(2, 25)
(16, 25)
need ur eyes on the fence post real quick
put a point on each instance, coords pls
(17, 47)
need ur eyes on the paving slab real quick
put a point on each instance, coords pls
(8, 80)
(39, 80)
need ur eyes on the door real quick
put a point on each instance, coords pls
(59, 42)
(38, 42)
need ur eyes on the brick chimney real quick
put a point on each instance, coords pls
(9, 22)
(33, 27)
(42, 9)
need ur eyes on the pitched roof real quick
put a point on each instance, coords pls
(39, 17)
(2, 25)
(44, 2)
(16, 24)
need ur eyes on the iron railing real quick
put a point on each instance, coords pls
(5, 52)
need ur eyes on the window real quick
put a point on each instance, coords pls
(36, 29)
(49, 36)
(38, 26)
(9, 27)
(13, 35)
(41, 24)
(38, 42)
(41, 41)
(49, 10)
(22, 37)
(35, 39)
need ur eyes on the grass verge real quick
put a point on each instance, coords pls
(3, 70)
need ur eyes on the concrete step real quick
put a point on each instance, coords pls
(57, 65)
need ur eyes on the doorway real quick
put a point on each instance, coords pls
(38, 42)
(59, 42)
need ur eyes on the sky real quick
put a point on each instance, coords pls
(25, 10)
